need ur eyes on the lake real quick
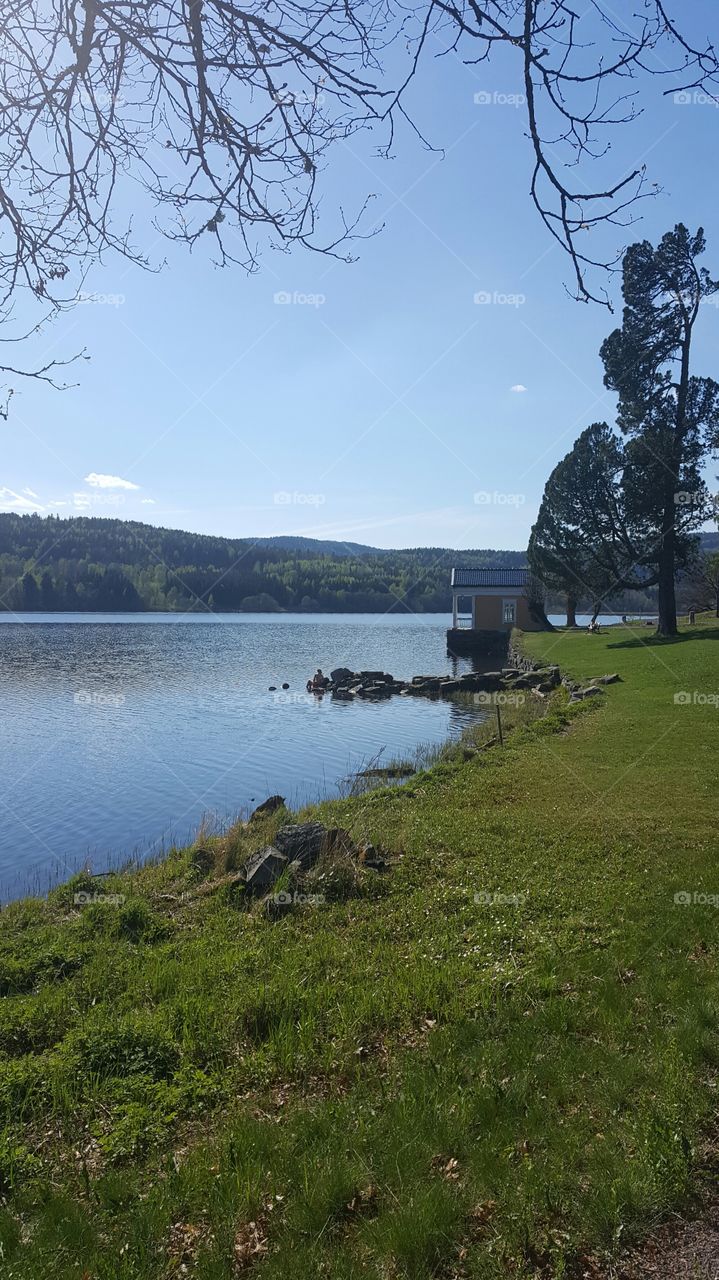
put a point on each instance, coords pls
(121, 732)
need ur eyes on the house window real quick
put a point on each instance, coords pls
(509, 613)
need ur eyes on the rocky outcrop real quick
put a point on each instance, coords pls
(346, 685)
(298, 848)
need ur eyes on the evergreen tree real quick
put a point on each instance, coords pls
(669, 415)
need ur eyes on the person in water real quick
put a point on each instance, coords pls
(318, 682)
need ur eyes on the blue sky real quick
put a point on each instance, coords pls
(382, 403)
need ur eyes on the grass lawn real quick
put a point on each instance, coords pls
(497, 1059)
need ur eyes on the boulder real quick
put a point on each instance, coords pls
(343, 695)
(264, 868)
(611, 679)
(371, 675)
(339, 840)
(301, 842)
(546, 686)
(270, 805)
(451, 686)
(578, 695)
(481, 681)
(341, 675)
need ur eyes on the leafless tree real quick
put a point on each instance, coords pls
(225, 114)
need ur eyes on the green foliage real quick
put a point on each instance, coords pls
(94, 564)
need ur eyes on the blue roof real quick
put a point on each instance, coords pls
(489, 577)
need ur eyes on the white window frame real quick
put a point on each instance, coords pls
(508, 605)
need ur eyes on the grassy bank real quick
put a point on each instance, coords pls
(495, 1059)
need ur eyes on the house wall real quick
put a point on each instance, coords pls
(487, 612)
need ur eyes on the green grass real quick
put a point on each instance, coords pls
(493, 1060)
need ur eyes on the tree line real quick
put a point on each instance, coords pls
(54, 564)
(623, 509)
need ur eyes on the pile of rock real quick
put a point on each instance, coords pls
(578, 692)
(298, 847)
(347, 685)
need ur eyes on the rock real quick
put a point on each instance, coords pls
(612, 679)
(451, 686)
(341, 674)
(371, 857)
(521, 682)
(285, 685)
(264, 868)
(272, 688)
(510, 671)
(338, 840)
(371, 675)
(423, 679)
(270, 805)
(481, 681)
(301, 842)
(546, 686)
(376, 691)
(343, 695)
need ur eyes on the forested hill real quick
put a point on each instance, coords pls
(84, 563)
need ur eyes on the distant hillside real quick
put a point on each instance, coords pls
(321, 546)
(84, 563)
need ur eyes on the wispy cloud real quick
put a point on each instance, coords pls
(518, 386)
(147, 501)
(100, 481)
(11, 501)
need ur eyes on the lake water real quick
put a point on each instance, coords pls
(120, 732)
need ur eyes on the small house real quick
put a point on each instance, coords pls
(498, 601)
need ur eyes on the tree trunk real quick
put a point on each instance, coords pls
(667, 624)
(572, 611)
(595, 610)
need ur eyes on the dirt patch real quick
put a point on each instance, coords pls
(679, 1249)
